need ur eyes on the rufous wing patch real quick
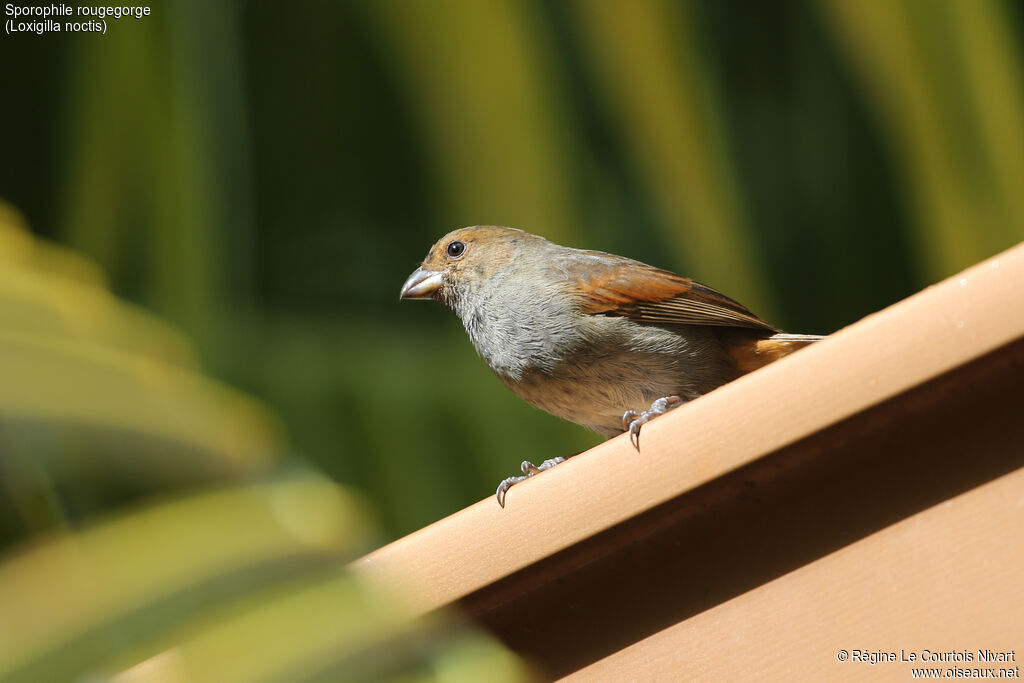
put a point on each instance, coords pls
(618, 286)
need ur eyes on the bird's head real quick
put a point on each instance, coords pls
(463, 258)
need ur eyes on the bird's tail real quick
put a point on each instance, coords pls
(751, 356)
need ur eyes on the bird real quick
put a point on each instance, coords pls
(604, 341)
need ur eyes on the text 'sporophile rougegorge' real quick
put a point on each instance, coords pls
(63, 18)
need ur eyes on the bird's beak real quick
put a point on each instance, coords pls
(421, 284)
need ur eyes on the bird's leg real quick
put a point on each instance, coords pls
(529, 469)
(632, 421)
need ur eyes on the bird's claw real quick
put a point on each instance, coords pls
(632, 421)
(504, 486)
(529, 469)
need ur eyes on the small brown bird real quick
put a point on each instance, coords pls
(601, 340)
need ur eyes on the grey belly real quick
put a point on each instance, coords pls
(595, 390)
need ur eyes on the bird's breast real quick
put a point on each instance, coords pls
(519, 332)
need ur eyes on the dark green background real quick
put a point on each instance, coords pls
(266, 174)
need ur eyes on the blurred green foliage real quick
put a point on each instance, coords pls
(152, 523)
(265, 175)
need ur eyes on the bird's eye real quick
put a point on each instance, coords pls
(456, 249)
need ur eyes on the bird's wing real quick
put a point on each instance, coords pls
(617, 286)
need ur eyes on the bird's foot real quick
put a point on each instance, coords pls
(529, 469)
(632, 421)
